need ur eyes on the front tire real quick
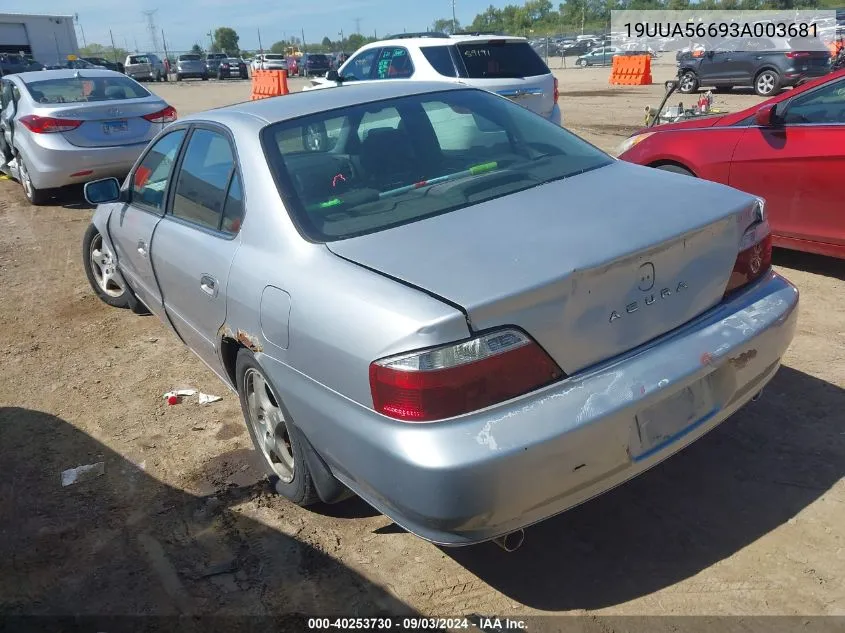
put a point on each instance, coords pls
(581, 63)
(283, 450)
(100, 268)
(688, 84)
(36, 197)
(767, 83)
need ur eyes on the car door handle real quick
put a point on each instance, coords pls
(208, 285)
(142, 247)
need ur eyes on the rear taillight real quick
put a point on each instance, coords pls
(48, 125)
(794, 54)
(557, 92)
(755, 256)
(168, 115)
(455, 379)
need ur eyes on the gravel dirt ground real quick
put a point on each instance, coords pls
(749, 520)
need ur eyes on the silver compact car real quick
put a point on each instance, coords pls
(62, 127)
(440, 300)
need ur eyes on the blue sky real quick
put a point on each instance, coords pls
(187, 21)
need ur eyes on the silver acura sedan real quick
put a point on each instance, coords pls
(63, 127)
(435, 298)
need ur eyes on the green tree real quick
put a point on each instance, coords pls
(226, 40)
(279, 47)
(446, 25)
(354, 42)
(327, 43)
(196, 49)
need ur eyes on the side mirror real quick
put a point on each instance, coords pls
(102, 191)
(333, 75)
(766, 116)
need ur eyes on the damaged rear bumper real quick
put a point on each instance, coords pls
(482, 475)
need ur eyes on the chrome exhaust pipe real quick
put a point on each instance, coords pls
(511, 541)
(757, 396)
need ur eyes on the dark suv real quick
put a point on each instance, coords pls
(311, 64)
(766, 64)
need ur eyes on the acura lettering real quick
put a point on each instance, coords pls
(648, 300)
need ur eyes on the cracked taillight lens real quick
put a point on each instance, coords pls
(755, 256)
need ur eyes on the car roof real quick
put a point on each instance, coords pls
(442, 41)
(63, 73)
(308, 102)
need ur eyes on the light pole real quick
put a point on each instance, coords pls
(341, 40)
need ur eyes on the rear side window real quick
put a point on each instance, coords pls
(203, 179)
(85, 89)
(440, 59)
(501, 59)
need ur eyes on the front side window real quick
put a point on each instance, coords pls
(149, 182)
(360, 67)
(394, 63)
(203, 179)
(401, 160)
(824, 105)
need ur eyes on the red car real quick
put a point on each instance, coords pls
(790, 150)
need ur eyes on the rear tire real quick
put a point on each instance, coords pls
(688, 83)
(36, 197)
(283, 450)
(767, 83)
(675, 169)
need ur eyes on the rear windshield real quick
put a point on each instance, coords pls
(85, 89)
(139, 59)
(217, 56)
(369, 167)
(318, 58)
(189, 58)
(274, 57)
(499, 58)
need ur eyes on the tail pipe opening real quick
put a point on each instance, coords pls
(511, 541)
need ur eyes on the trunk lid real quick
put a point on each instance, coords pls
(588, 276)
(111, 123)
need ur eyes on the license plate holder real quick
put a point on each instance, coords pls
(116, 127)
(672, 418)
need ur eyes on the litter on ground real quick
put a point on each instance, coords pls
(82, 473)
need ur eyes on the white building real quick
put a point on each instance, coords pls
(47, 38)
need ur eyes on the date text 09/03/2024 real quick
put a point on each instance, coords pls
(721, 29)
(419, 623)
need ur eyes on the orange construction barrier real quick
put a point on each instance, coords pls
(631, 70)
(269, 83)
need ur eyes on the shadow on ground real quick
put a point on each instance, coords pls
(124, 543)
(810, 263)
(743, 480)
